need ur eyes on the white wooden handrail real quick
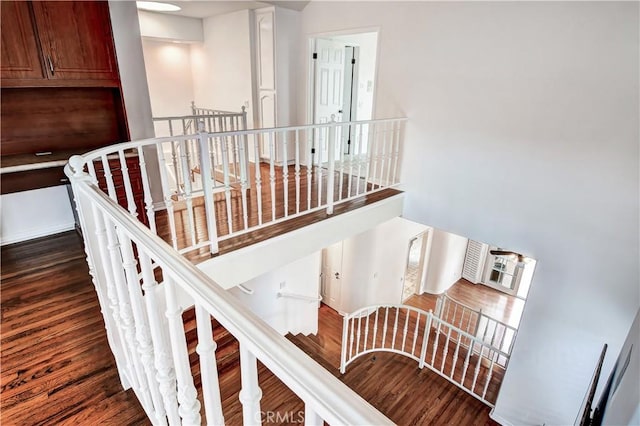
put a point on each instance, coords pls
(288, 295)
(321, 391)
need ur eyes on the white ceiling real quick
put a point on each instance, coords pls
(203, 9)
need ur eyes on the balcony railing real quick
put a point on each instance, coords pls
(144, 284)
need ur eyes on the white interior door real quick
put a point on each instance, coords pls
(329, 88)
(332, 276)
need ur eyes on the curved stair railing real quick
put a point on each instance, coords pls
(471, 351)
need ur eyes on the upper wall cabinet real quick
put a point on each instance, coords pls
(20, 57)
(57, 41)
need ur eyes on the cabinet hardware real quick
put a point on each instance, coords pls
(53, 71)
(64, 180)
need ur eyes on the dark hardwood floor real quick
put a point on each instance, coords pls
(57, 367)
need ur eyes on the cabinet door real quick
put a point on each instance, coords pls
(76, 39)
(19, 48)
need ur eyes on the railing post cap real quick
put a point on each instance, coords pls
(76, 163)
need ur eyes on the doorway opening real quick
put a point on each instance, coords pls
(415, 266)
(341, 83)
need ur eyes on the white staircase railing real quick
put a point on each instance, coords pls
(468, 356)
(495, 333)
(306, 169)
(138, 278)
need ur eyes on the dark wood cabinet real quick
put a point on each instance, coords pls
(76, 39)
(61, 92)
(19, 50)
(56, 41)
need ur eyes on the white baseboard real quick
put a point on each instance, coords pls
(33, 233)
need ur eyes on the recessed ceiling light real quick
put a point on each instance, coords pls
(157, 7)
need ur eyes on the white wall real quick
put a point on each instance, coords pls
(222, 65)
(170, 27)
(523, 132)
(286, 315)
(445, 262)
(374, 263)
(169, 77)
(624, 400)
(126, 38)
(32, 214)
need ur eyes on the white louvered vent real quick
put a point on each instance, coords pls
(474, 261)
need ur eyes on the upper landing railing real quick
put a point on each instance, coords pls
(208, 187)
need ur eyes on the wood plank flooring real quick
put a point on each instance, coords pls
(57, 367)
(56, 363)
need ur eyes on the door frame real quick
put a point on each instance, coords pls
(311, 69)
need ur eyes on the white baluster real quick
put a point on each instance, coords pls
(340, 138)
(351, 354)
(143, 337)
(395, 330)
(366, 333)
(297, 170)
(405, 329)
(227, 184)
(189, 406)
(477, 369)
(176, 167)
(396, 152)
(112, 295)
(256, 147)
(445, 350)
(415, 334)
(425, 342)
(311, 418)
(124, 169)
(285, 174)
(165, 375)
(435, 344)
(465, 366)
(272, 175)
(361, 151)
(208, 370)
(331, 165)
(146, 190)
(345, 339)
(186, 177)
(166, 193)
(106, 170)
(388, 155)
(244, 180)
(251, 393)
(319, 163)
(455, 355)
(309, 168)
(489, 373)
(375, 330)
(384, 327)
(207, 187)
(352, 153)
(372, 144)
(358, 333)
(126, 314)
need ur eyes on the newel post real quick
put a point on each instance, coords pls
(331, 164)
(207, 186)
